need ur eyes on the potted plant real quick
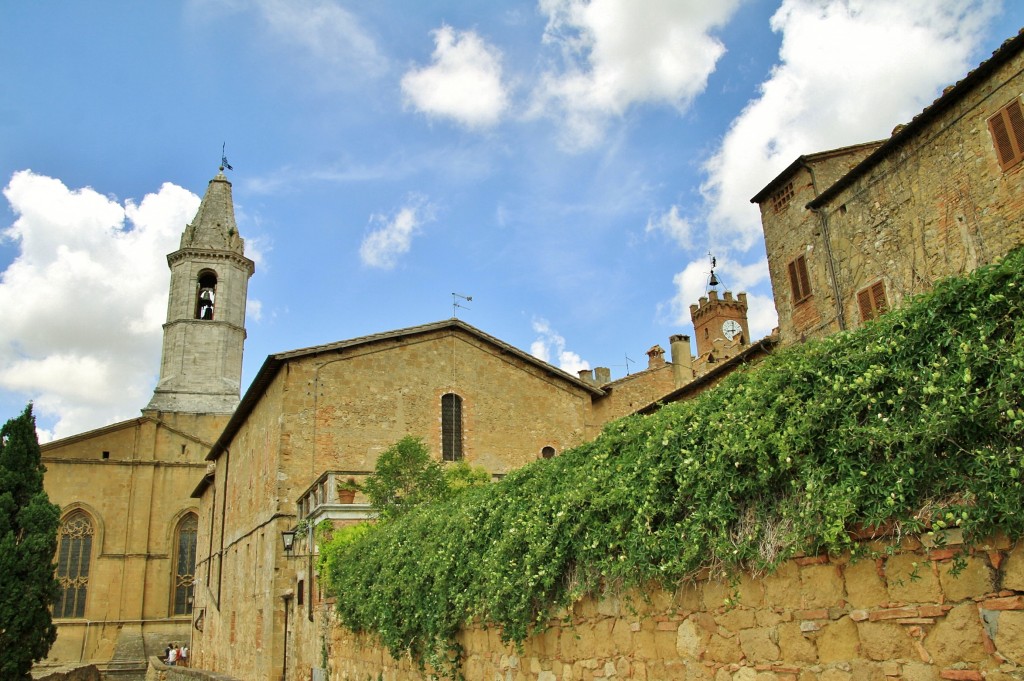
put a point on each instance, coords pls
(347, 490)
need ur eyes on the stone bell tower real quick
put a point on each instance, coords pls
(201, 363)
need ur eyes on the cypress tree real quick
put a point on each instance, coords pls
(28, 542)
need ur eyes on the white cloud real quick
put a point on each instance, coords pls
(254, 309)
(617, 53)
(550, 347)
(84, 300)
(382, 247)
(849, 71)
(336, 46)
(463, 82)
(672, 225)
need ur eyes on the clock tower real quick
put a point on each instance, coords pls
(720, 324)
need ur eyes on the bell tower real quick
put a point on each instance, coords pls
(201, 363)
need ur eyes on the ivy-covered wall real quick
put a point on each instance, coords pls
(913, 424)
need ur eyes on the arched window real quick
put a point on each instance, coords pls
(73, 554)
(206, 294)
(451, 427)
(548, 452)
(184, 564)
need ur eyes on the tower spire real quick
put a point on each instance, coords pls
(201, 363)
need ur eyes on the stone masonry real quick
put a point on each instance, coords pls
(904, 616)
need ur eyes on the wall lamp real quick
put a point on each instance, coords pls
(288, 537)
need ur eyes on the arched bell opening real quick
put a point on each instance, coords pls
(206, 294)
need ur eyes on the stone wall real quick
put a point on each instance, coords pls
(158, 671)
(901, 616)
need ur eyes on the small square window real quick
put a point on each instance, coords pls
(105, 455)
(782, 198)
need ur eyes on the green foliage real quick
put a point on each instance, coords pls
(915, 420)
(405, 476)
(460, 475)
(28, 542)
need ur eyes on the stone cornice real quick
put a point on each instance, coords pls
(212, 254)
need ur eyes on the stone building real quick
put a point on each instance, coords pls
(172, 521)
(314, 417)
(127, 544)
(855, 231)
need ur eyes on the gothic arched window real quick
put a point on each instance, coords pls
(73, 554)
(184, 572)
(206, 294)
(451, 427)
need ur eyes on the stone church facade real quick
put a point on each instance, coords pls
(127, 544)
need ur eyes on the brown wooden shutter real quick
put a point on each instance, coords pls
(879, 301)
(794, 282)
(864, 301)
(1007, 129)
(805, 281)
(799, 281)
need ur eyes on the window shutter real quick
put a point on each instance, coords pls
(879, 301)
(799, 281)
(1007, 129)
(864, 301)
(794, 282)
(805, 281)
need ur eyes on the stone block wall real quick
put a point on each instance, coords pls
(900, 616)
(158, 671)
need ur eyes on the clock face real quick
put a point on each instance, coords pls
(731, 328)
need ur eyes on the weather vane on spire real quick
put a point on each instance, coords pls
(223, 158)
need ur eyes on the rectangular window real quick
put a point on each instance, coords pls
(1007, 129)
(451, 427)
(799, 282)
(872, 301)
(782, 198)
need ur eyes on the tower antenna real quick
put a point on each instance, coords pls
(456, 305)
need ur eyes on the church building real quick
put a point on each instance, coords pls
(173, 523)
(127, 540)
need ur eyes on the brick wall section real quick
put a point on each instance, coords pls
(904, 616)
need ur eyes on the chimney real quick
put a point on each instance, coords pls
(603, 375)
(656, 357)
(682, 360)
(586, 375)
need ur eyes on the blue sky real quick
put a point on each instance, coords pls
(568, 164)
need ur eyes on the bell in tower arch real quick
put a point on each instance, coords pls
(206, 296)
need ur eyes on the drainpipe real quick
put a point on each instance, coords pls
(829, 260)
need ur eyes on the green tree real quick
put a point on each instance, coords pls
(28, 542)
(405, 476)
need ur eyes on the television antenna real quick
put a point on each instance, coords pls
(456, 304)
(628, 360)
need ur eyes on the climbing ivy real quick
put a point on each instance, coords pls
(914, 421)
